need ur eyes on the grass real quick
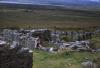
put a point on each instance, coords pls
(43, 59)
(47, 19)
(95, 41)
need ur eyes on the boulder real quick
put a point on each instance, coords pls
(13, 58)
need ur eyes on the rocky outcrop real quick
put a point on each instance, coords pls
(15, 58)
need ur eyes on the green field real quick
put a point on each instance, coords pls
(47, 19)
(43, 59)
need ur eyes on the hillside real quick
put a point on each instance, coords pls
(64, 60)
(48, 18)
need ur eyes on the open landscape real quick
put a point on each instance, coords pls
(48, 37)
(48, 19)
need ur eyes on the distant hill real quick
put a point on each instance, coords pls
(60, 14)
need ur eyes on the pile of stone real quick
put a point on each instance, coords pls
(36, 37)
(89, 64)
(26, 38)
(77, 45)
(16, 57)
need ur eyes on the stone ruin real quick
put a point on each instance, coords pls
(35, 39)
(16, 57)
(26, 38)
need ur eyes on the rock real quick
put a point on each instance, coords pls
(88, 64)
(11, 58)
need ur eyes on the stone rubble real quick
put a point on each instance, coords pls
(34, 38)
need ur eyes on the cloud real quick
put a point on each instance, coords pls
(95, 0)
(47, 1)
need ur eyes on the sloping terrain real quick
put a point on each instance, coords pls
(48, 18)
(43, 59)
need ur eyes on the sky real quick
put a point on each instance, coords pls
(46, 1)
(49, 2)
(95, 0)
(77, 4)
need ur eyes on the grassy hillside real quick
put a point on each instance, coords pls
(65, 60)
(48, 19)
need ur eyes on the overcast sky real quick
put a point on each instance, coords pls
(48, 0)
